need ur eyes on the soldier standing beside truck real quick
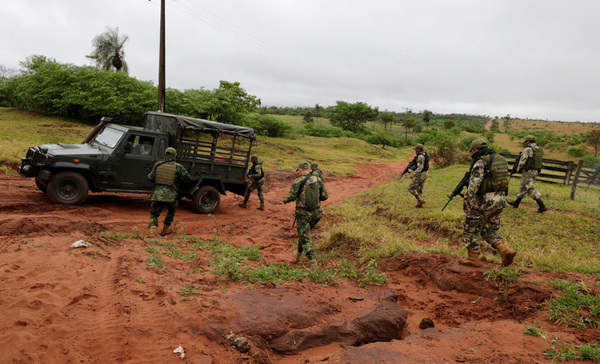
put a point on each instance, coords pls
(257, 175)
(166, 175)
(530, 165)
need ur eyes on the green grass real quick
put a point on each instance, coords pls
(571, 352)
(382, 222)
(575, 305)
(503, 277)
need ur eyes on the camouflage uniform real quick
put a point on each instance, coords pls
(482, 212)
(305, 219)
(314, 166)
(258, 181)
(528, 177)
(166, 195)
(419, 176)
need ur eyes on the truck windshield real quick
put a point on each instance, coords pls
(109, 137)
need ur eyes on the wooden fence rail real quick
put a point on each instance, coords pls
(587, 175)
(553, 171)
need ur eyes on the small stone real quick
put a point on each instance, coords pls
(426, 323)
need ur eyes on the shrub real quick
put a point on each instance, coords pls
(321, 130)
(384, 138)
(267, 125)
(576, 152)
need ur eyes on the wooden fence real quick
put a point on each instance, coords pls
(581, 174)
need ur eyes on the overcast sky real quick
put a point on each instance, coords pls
(526, 58)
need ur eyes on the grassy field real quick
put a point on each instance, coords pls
(382, 223)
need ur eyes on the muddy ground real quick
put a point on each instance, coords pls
(105, 304)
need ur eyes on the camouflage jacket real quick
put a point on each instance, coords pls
(489, 201)
(165, 193)
(420, 163)
(298, 196)
(256, 171)
(317, 172)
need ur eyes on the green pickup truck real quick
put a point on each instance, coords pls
(116, 158)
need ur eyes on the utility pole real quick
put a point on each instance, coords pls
(407, 110)
(161, 60)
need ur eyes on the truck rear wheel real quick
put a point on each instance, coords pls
(68, 188)
(206, 200)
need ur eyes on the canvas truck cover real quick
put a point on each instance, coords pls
(169, 123)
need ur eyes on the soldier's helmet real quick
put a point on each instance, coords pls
(171, 151)
(314, 164)
(303, 165)
(529, 138)
(419, 146)
(478, 144)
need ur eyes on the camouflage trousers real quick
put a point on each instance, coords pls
(416, 184)
(526, 187)
(305, 220)
(481, 223)
(156, 208)
(258, 186)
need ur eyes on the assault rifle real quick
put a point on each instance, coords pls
(515, 166)
(464, 182)
(410, 165)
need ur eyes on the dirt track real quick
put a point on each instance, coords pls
(104, 304)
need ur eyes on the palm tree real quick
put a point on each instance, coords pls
(108, 50)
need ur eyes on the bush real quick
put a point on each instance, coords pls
(321, 130)
(576, 152)
(446, 150)
(267, 125)
(384, 138)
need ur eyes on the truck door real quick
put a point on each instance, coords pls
(134, 162)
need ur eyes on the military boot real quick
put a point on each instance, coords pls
(295, 256)
(507, 254)
(514, 203)
(152, 231)
(421, 202)
(243, 204)
(541, 206)
(472, 259)
(313, 264)
(167, 229)
(261, 207)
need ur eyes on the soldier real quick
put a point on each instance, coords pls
(530, 165)
(257, 176)
(483, 204)
(166, 175)
(308, 191)
(420, 166)
(314, 168)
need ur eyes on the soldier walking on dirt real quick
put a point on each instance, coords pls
(314, 169)
(166, 175)
(308, 191)
(420, 166)
(483, 204)
(530, 165)
(257, 176)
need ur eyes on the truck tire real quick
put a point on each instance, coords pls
(68, 188)
(40, 185)
(206, 200)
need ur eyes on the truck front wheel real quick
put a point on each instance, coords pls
(68, 188)
(206, 200)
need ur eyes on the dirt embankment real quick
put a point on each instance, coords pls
(106, 304)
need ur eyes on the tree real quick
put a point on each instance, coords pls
(352, 117)
(593, 139)
(386, 118)
(408, 123)
(318, 111)
(426, 117)
(108, 50)
(448, 124)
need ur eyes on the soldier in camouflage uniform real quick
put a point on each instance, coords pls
(420, 167)
(530, 165)
(166, 175)
(483, 204)
(305, 219)
(314, 168)
(257, 176)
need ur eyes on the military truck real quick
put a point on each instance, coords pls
(116, 158)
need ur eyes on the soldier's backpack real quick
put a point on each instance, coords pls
(311, 192)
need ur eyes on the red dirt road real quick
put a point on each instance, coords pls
(105, 304)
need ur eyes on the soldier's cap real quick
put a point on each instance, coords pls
(529, 138)
(478, 144)
(419, 146)
(171, 151)
(314, 164)
(254, 156)
(302, 165)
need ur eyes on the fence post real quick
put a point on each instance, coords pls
(569, 172)
(576, 179)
